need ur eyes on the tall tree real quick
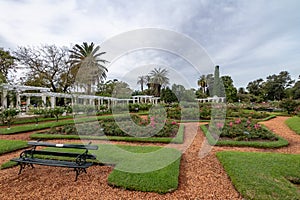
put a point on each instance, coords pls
(141, 81)
(158, 78)
(295, 90)
(168, 96)
(276, 85)
(106, 88)
(47, 66)
(7, 63)
(230, 90)
(202, 83)
(256, 88)
(242, 90)
(85, 59)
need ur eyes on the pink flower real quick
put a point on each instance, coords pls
(238, 121)
(220, 125)
(248, 122)
(174, 123)
(230, 124)
(257, 126)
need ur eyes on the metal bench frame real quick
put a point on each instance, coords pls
(79, 163)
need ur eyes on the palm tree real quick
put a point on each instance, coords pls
(159, 76)
(86, 62)
(158, 79)
(141, 80)
(202, 83)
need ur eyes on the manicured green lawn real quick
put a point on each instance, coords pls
(142, 168)
(263, 175)
(148, 169)
(178, 139)
(11, 145)
(33, 120)
(40, 126)
(294, 124)
(258, 144)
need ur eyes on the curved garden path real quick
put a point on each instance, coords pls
(200, 178)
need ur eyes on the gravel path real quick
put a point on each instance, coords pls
(200, 178)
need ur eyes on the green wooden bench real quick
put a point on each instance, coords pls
(78, 161)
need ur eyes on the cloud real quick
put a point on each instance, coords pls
(243, 37)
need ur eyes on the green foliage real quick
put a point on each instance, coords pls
(86, 62)
(125, 127)
(256, 88)
(295, 91)
(294, 124)
(121, 90)
(178, 139)
(230, 90)
(276, 84)
(168, 96)
(246, 130)
(262, 175)
(258, 144)
(7, 62)
(139, 107)
(8, 115)
(289, 105)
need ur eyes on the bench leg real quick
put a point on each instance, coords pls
(78, 172)
(23, 165)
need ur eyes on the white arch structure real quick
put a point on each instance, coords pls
(45, 93)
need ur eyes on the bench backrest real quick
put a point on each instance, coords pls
(54, 153)
(74, 146)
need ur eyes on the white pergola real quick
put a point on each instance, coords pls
(145, 99)
(94, 100)
(18, 89)
(213, 99)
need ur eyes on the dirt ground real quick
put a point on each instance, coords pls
(200, 177)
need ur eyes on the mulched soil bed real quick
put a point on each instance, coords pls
(200, 178)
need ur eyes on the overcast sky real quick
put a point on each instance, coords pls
(247, 39)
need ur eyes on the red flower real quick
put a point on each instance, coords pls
(220, 125)
(238, 121)
(257, 126)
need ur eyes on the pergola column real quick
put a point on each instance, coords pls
(92, 102)
(52, 101)
(44, 100)
(99, 104)
(4, 98)
(18, 100)
(108, 103)
(27, 103)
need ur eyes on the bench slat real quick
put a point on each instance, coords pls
(57, 163)
(76, 146)
(55, 153)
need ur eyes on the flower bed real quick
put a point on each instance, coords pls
(247, 130)
(121, 126)
(242, 132)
